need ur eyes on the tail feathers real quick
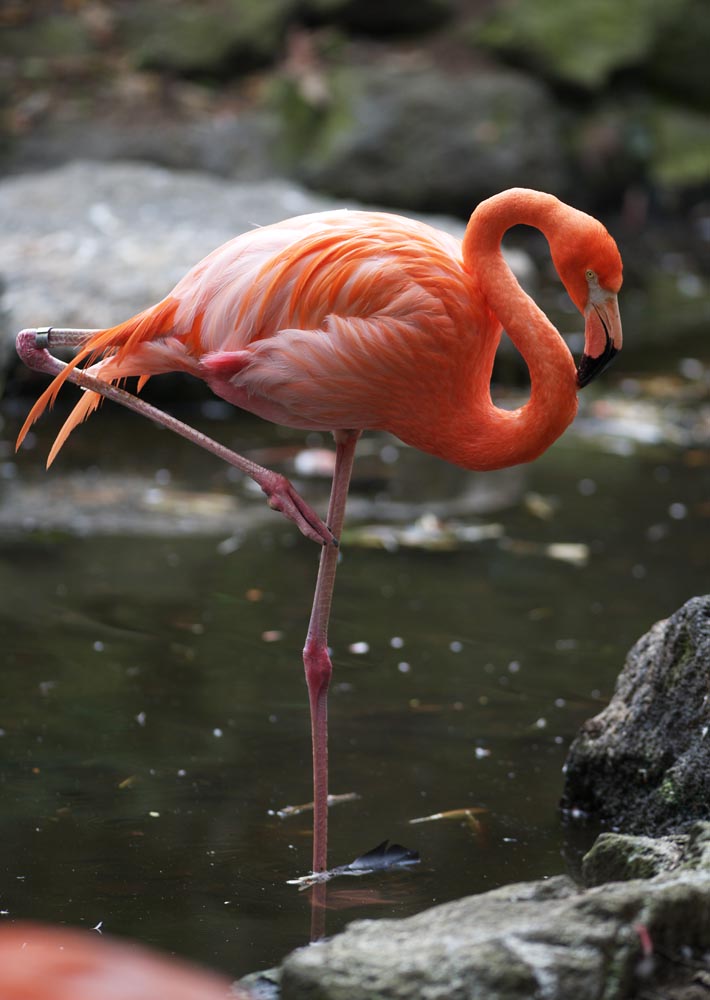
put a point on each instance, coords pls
(116, 343)
(81, 412)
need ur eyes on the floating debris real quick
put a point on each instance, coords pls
(315, 462)
(186, 503)
(428, 532)
(467, 813)
(468, 816)
(575, 553)
(229, 545)
(380, 858)
(333, 800)
(539, 506)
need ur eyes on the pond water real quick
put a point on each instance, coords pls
(154, 714)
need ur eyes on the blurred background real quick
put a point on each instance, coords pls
(154, 716)
(430, 105)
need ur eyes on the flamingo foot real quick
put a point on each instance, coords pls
(282, 496)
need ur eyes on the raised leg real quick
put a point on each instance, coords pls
(32, 347)
(316, 659)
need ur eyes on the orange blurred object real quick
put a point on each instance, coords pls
(54, 963)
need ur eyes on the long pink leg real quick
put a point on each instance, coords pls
(32, 346)
(316, 659)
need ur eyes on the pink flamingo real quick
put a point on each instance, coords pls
(346, 321)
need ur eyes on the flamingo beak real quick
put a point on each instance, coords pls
(602, 338)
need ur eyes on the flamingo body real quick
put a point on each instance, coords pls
(331, 320)
(347, 321)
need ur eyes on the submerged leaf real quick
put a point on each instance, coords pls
(385, 855)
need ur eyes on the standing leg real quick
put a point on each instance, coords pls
(315, 654)
(281, 495)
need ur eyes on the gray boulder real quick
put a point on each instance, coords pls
(643, 764)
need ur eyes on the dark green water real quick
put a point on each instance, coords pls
(149, 731)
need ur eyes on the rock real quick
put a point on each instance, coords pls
(212, 37)
(541, 939)
(60, 37)
(419, 137)
(578, 43)
(239, 146)
(680, 152)
(618, 857)
(643, 764)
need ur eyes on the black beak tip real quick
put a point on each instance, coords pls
(590, 367)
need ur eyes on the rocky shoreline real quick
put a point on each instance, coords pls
(638, 925)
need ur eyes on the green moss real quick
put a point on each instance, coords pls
(61, 36)
(668, 791)
(618, 857)
(579, 42)
(193, 38)
(681, 146)
(309, 127)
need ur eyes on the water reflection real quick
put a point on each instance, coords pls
(154, 715)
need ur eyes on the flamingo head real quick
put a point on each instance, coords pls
(589, 264)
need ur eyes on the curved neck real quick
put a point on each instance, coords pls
(506, 437)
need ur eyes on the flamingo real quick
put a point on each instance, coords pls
(39, 962)
(344, 321)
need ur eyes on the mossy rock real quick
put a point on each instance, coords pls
(580, 42)
(636, 139)
(681, 146)
(642, 765)
(59, 36)
(212, 38)
(420, 138)
(618, 857)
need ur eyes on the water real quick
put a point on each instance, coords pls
(154, 712)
